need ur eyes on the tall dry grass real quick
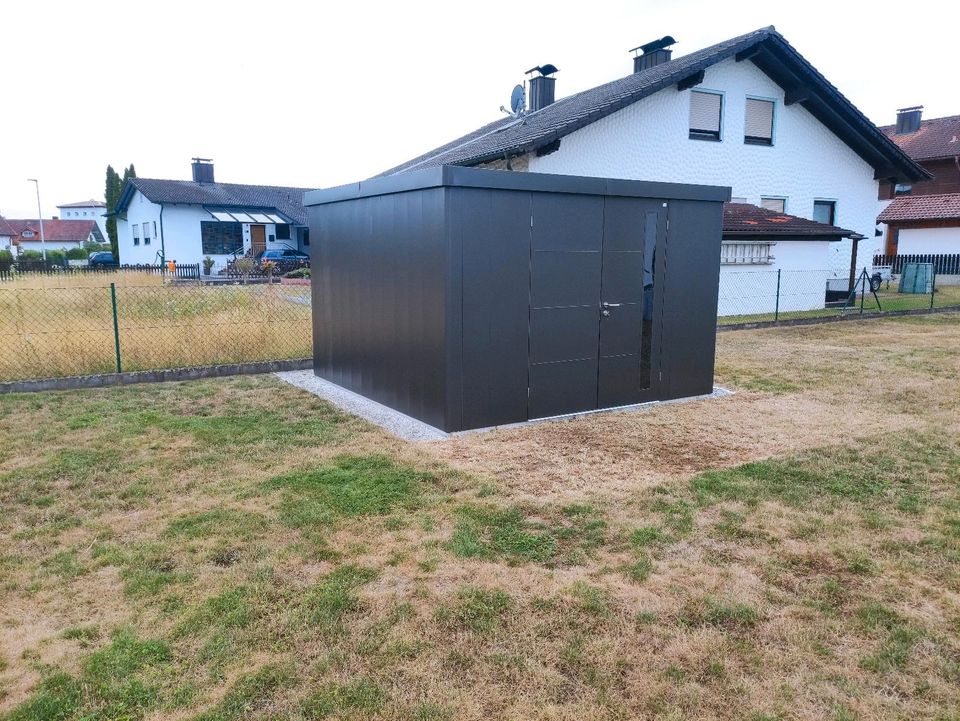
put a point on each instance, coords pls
(48, 331)
(82, 280)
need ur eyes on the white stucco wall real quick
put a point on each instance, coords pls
(648, 140)
(138, 212)
(928, 240)
(804, 269)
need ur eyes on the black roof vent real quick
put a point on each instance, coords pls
(908, 120)
(653, 53)
(202, 170)
(542, 87)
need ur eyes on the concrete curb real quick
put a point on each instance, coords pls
(854, 315)
(156, 376)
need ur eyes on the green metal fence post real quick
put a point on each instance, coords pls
(776, 311)
(863, 288)
(116, 324)
(933, 286)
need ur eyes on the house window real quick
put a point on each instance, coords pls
(221, 238)
(825, 211)
(305, 237)
(705, 115)
(758, 122)
(27, 234)
(778, 205)
(283, 231)
(902, 189)
(154, 229)
(746, 253)
(136, 234)
(146, 234)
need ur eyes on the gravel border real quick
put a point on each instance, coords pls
(410, 429)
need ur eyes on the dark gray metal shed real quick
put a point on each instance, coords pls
(469, 298)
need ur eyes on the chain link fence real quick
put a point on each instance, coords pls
(748, 296)
(81, 324)
(49, 330)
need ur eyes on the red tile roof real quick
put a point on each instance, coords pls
(54, 231)
(743, 220)
(922, 207)
(935, 138)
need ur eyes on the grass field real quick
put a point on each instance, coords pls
(51, 326)
(238, 549)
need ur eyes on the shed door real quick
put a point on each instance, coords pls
(594, 322)
(565, 268)
(629, 317)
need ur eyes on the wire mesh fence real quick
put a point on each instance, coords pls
(52, 331)
(747, 296)
(81, 324)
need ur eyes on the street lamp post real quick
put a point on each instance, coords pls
(43, 242)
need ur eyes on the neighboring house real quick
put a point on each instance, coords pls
(923, 224)
(755, 240)
(750, 113)
(58, 234)
(189, 220)
(86, 210)
(922, 217)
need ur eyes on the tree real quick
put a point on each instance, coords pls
(129, 173)
(112, 195)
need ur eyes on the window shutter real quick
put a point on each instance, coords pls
(705, 112)
(758, 122)
(775, 204)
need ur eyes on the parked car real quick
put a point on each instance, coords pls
(286, 259)
(102, 259)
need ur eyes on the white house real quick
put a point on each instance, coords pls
(189, 220)
(86, 210)
(750, 113)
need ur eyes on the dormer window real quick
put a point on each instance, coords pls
(758, 122)
(706, 110)
(27, 234)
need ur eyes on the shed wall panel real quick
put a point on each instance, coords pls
(380, 299)
(492, 228)
(690, 278)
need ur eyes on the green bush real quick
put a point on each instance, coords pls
(298, 273)
(6, 257)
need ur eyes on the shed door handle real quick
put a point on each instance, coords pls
(612, 305)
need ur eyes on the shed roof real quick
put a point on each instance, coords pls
(765, 47)
(922, 207)
(742, 220)
(288, 201)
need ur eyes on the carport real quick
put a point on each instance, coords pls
(469, 298)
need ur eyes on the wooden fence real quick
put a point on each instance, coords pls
(943, 263)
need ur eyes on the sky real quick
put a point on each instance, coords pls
(315, 94)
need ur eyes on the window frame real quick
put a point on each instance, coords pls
(136, 233)
(282, 235)
(833, 215)
(775, 197)
(754, 140)
(218, 246)
(707, 134)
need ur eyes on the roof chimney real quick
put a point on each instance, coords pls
(908, 120)
(542, 86)
(653, 53)
(202, 170)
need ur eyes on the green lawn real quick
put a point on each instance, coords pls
(237, 549)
